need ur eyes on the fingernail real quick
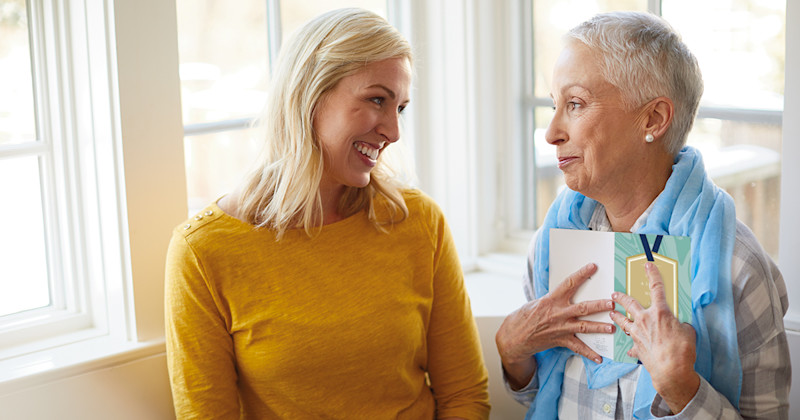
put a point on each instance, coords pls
(648, 265)
(610, 304)
(614, 295)
(598, 360)
(610, 328)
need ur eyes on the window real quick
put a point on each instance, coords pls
(738, 128)
(82, 216)
(99, 140)
(43, 278)
(23, 260)
(225, 55)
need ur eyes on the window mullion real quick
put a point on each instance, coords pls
(274, 31)
(654, 6)
(51, 116)
(23, 149)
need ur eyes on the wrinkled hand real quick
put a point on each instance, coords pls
(550, 321)
(664, 345)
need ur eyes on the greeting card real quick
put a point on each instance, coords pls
(620, 259)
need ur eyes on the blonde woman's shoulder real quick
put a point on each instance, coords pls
(418, 201)
(229, 203)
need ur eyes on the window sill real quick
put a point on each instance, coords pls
(495, 287)
(86, 355)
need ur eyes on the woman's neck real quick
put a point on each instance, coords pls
(623, 218)
(623, 208)
(330, 196)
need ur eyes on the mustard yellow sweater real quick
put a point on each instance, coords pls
(351, 324)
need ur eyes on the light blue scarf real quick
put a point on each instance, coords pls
(690, 205)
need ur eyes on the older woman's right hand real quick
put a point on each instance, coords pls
(546, 322)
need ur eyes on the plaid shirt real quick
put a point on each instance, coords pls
(759, 300)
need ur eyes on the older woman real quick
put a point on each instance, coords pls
(626, 90)
(323, 287)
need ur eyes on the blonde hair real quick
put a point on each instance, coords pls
(283, 192)
(643, 56)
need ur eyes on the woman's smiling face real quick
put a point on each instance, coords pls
(358, 118)
(600, 143)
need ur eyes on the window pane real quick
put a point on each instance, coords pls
(552, 19)
(23, 262)
(741, 53)
(744, 159)
(223, 59)
(744, 42)
(549, 178)
(295, 13)
(16, 87)
(215, 163)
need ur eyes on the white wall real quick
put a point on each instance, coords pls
(137, 390)
(790, 199)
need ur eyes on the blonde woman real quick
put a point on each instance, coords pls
(322, 288)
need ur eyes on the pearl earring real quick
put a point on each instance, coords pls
(649, 138)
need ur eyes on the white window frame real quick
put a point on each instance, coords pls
(109, 97)
(466, 113)
(789, 241)
(68, 188)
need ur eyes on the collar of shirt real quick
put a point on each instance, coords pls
(600, 222)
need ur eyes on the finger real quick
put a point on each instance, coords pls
(633, 352)
(689, 328)
(630, 304)
(623, 321)
(570, 285)
(657, 293)
(588, 307)
(575, 344)
(589, 327)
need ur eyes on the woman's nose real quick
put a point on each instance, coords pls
(389, 126)
(555, 132)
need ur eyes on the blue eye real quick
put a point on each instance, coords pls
(377, 100)
(400, 109)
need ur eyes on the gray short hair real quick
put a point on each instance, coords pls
(643, 56)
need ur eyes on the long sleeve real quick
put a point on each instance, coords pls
(353, 322)
(761, 301)
(459, 379)
(526, 395)
(199, 348)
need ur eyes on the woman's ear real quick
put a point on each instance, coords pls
(659, 116)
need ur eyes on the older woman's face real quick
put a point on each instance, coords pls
(358, 118)
(598, 140)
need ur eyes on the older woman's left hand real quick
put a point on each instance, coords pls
(664, 345)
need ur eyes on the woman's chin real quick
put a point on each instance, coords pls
(573, 183)
(360, 182)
